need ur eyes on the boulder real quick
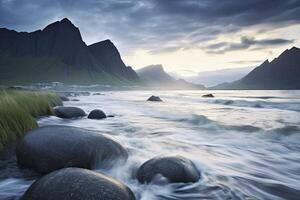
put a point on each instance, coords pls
(176, 169)
(54, 147)
(97, 114)
(154, 98)
(208, 95)
(77, 184)
(68, 112)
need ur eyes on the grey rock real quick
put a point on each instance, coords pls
(54, 147)
(174, 168)
(77, 184)
(154, 98)
(208, 95)
(68, 112)
(97, 114)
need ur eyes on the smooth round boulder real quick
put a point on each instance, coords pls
(176, 169)
(154, 98)
(68, 112)
(77, 184)
(54, 147)
(97, 114)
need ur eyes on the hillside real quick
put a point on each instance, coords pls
(58, 53)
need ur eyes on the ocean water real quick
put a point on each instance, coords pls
(246, 144)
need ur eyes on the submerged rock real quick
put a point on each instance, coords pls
(97, 114)
(154, 98)
(208, 95)
(77, 184)
(97, 94)
(174, 168)
(54, 147)
(68, 112)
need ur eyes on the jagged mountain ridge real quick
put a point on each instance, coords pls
(280, 74)
(59, 51)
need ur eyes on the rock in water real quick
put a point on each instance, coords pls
(208, 95)
(97, 94)
(154, 98)
(54, 147)
(175, 168)
(97, 114)
(69, 112)
(77, 184)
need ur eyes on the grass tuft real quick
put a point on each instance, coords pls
(18, 110)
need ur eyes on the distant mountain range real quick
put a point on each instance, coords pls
(58, 54)
(155, 76)
(280, 74)
(213, 78)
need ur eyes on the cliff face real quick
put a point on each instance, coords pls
(59, 48)
(108, 55)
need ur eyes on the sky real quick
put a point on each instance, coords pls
(185, 36)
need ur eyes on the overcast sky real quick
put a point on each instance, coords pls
(186, 36)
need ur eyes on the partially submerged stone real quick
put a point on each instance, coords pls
(68, 112)
(77, 184)
(208, 95)
(154, 98)
(97, 114)
(175, 168)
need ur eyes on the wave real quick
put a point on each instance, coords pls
(286, 130)
(292, 106)
(206, 123)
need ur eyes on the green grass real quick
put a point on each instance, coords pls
(30, 69)
(18, 110)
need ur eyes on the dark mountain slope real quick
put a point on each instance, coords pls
(282, 73)
(106, 53)
(56, 53)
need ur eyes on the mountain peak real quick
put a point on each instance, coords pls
(66, 20)
(157, 67)
(295, 48)
(65, 23)
(266, 62)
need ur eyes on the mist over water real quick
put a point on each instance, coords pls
(246, 144)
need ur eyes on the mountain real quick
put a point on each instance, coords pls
(281, 74)
(212, 78)
(154, 76)
(107, 54)
(58, 54)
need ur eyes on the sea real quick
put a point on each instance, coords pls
(246, 144)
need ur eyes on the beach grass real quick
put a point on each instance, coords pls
(18, 112)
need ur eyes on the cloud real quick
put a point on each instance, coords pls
(154, 25)
(246, 62)
(244, 43)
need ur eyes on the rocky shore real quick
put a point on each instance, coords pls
(65, 161)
